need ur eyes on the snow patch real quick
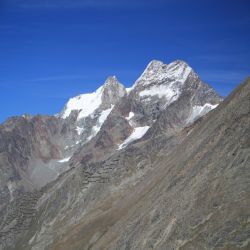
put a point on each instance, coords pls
(130, 115)
(129, 89)
(85, 103)
(104, 115)
(161, 91)
(79, 130)
(138, 133)
(64, 160)
(102, 118)
(199, 111)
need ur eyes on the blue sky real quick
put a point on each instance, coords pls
(51, 50)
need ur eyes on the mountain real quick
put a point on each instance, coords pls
(195, 196)
(149, 167)
(160, 88)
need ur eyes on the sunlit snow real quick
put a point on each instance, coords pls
(87, 103)
(160, 91)
(79, 130)
(64, 160)
(130, 115)
(178, 70)
(138, 133)
(128, 89)
(101, 120)
(199, 111)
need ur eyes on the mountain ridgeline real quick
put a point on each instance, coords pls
(154, 166)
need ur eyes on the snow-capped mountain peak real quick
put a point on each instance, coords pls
(154, 68)
(154, 65)
(178, 70)
(111, 80)
(163, 81)
(105, 96)
(157, 79)
(158, 71)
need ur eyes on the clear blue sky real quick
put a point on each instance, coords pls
(51, 50)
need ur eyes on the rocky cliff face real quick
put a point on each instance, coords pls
(60, 174)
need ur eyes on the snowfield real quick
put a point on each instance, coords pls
(138, 133)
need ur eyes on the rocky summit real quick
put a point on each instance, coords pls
(164, 164)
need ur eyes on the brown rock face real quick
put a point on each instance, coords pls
(25, 141)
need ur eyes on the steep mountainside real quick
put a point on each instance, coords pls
(192, 192)
(197, 197)
(71, 181)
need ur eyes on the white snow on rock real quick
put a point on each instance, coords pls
(167, 80)
(161, 91)
(111, 81)
(153, 71)
(79, 130)
(138, 133)
(102, 118)
(104, 115)
(64, 160)
(85, 103)
(129, 89)
(178, 70)
(157, 71)
(199, 111)
(130, 116)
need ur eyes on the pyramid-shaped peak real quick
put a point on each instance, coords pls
(112, 91)
(111, 80)
(153, 69)
(179, 63)
(157, 71)
(112, 84)
(154, 64)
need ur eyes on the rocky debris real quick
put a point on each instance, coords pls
(17, 216)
